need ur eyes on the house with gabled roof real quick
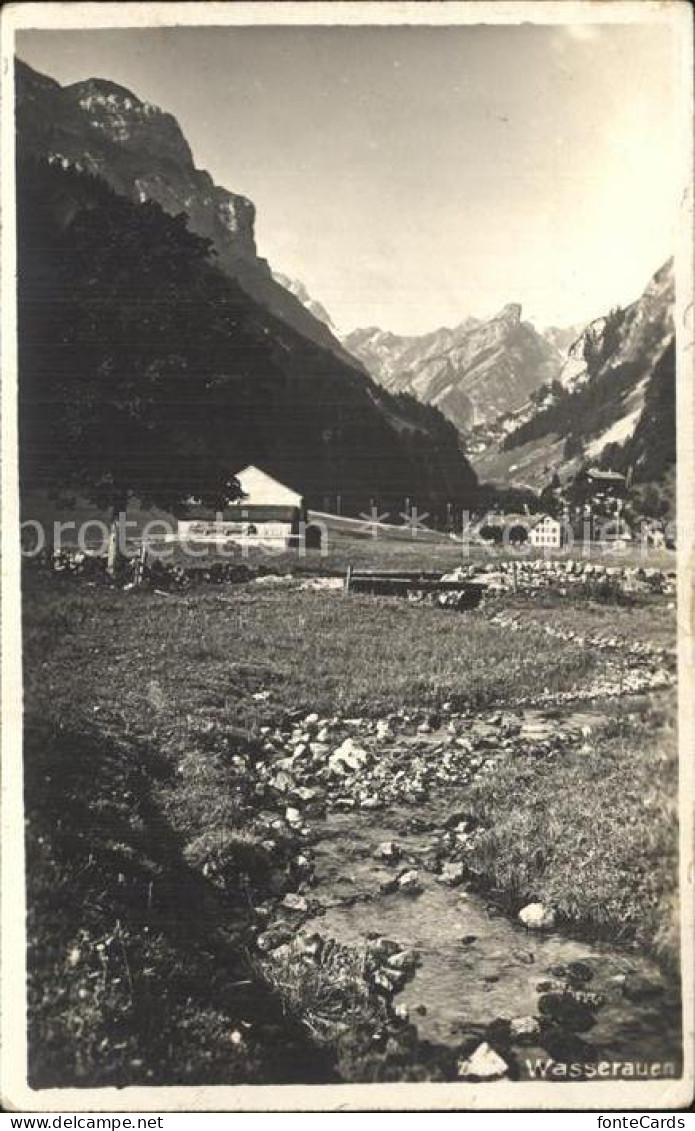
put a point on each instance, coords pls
(547, 532)
(267, 513)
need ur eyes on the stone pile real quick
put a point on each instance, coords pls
(594, 641)
(155, 573)
(620, 683)
(343, 764)
(650, 668)
(593, 578)
(318, 764)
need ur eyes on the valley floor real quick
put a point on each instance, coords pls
(189, 757)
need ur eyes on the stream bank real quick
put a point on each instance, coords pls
(391, 840)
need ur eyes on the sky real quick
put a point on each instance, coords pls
(411, 177)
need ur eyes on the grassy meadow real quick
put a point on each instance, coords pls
(143, 715)
(138, 659)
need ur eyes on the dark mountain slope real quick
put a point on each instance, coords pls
(617, 405)
(267, 394)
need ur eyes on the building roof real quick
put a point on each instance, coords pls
(516, 519)
(605, 476)
(494, 519)
(261, 489)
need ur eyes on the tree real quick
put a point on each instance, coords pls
(600, 344)
(612, 457)
(573, 447)
(492, 532)
(549, 501)
(591, 348)
(518, 534)
(537, 396)
(145, 370)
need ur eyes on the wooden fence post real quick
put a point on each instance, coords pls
(140, 564)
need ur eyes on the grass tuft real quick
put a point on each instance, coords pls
(592, 833)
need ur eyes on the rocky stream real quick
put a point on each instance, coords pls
(383, 868)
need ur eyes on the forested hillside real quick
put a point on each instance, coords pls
(144, 369)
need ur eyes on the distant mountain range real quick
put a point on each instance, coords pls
(327, 429)
(531, 404)
(472, 373)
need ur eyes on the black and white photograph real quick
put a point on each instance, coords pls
(347, 519)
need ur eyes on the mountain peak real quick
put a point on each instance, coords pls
(141, 151)
(104, 90)
(510, 313)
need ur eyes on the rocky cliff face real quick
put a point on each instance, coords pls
(101, 128)
(638, 334)
(618, 403)
(473, 373)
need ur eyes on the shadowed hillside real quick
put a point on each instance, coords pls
(122, 309)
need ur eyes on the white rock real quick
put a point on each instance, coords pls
(537, 917)
(453, 872)
(388, 850)
(524, 1028)
(305, 793)
(483, 1064)
(319, 749)
(348, 757)
(404, 960)
(295, 902)
(372, 801)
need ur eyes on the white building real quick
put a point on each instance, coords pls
(547, 532)
(268, 513)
